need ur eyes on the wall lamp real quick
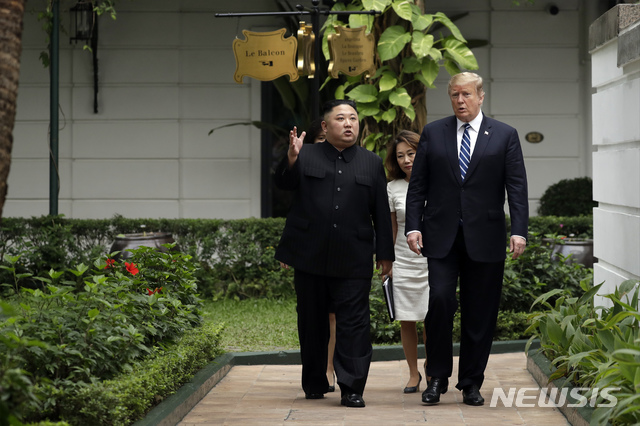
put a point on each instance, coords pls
(84, 27)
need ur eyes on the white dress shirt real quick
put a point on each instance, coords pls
(473, 132)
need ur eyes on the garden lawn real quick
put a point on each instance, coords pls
(254, 325)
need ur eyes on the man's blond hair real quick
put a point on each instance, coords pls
(466, 78)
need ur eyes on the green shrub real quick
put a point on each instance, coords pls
(568, 197)
(16, 385)
(574, 226)
(594, 346)
(534, 273)
(129, 396)
(99, 324)
(235, 257)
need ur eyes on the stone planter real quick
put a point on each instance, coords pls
(581, 250)
(124, 243)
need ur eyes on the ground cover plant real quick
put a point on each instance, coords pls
(592, 346)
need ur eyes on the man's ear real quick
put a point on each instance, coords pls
(324, 126)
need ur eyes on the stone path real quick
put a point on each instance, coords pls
(271, 395)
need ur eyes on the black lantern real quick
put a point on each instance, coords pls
(82, 21)
(84, 27)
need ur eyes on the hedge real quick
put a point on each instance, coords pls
(129, 396)
(235, 257)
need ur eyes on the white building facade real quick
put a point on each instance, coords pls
(166, 79)
(615, 48)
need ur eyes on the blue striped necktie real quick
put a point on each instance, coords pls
(465, 151)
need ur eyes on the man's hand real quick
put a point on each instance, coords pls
(414, 240)
(516, 246)
(295, 145)
(384, 266)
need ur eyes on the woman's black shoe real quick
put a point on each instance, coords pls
(332, 388)
(414, 389)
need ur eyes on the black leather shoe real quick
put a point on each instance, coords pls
(352, 400)
(414, 389)
(313, 395)
(436, 386)
(471, 395)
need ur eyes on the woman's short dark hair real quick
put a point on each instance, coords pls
(391, 162)
(315, 128)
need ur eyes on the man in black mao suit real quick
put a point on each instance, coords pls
(340, 205)
(461, 230)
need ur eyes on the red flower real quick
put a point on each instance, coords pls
(110, 263)
(131, 267)
(152, 292)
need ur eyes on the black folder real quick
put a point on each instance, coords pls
(387, 289)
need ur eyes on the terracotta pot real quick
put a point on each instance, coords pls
(581, 250)
(124, 243)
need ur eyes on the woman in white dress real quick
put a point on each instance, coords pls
(410, 274)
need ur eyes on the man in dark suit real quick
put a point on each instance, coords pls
(455, 217)
(340, 205)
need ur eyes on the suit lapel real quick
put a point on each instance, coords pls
(451, 146)
(481, 145)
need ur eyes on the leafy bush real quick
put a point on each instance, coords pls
(574, 226)
(593, 346)
(16, 385)
(534, 273)
(129, 396)
(100, 323)
(568, 197)
(235, 257)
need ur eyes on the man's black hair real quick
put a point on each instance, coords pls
(329, 105)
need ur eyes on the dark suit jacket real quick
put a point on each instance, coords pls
(340, 204)
(496, 164)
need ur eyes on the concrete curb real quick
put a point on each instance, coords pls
(171, 411)
(540, 368)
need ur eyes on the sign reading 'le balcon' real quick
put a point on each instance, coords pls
(265, 56)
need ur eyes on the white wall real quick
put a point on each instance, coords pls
(166, 79)
(616, 137)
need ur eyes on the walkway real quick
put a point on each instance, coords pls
(271, 395)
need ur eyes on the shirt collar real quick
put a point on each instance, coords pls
(333, 153)
(475, 123)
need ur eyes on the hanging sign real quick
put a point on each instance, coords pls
(306, 40)
(265, 56)
(351, 52)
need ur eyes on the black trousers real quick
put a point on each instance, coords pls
(480, 288)
(352, 358)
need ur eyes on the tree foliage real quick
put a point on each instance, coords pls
(408, 57)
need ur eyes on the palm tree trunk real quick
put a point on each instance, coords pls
(11, 15)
